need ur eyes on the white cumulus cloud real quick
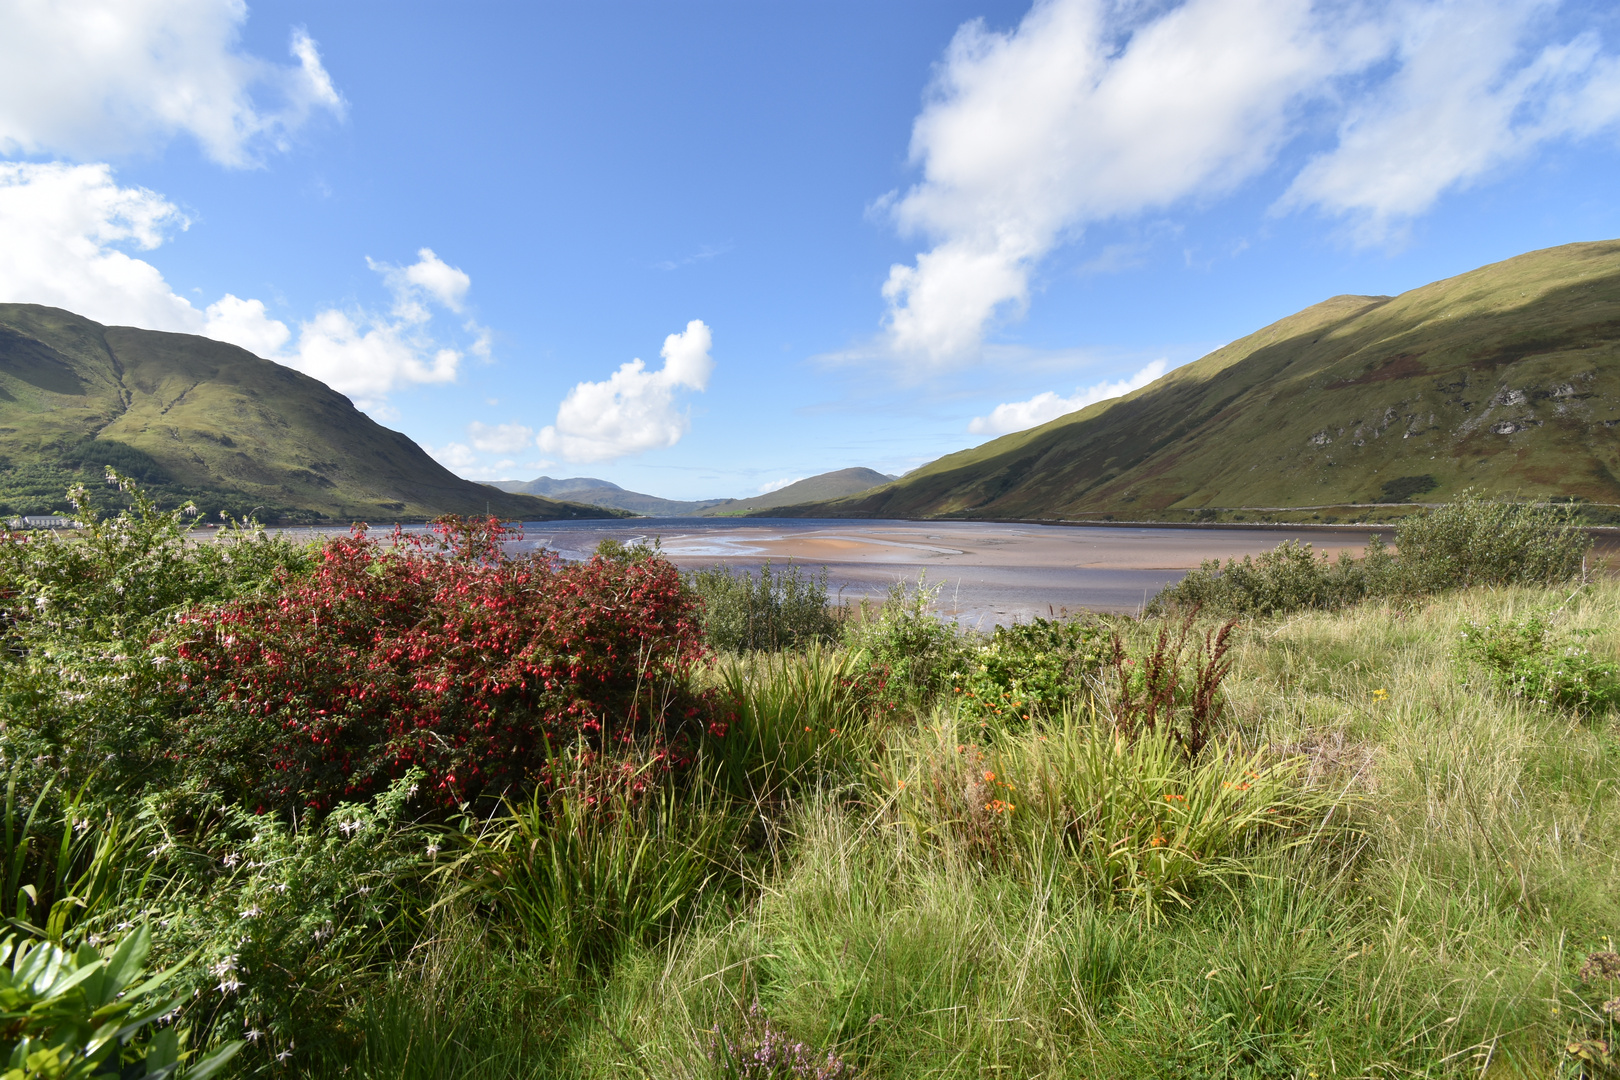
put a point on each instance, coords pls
(1019, 415)
(1078, 116)
(459, 458)
(367, 356)
(634, 410)
(1091, 111)
(778, 485)
(90, 78)
(63, 234)
(245, 323)
(62, 231)
(429, 278)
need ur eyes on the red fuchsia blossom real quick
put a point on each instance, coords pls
(441, 652)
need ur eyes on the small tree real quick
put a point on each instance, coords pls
(1478, 541)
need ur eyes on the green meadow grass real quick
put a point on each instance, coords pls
(1441, 863)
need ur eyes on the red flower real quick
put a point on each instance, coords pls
(441, 651)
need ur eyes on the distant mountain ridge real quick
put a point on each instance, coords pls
(1505, 379)
(604, 493)
(194, 418)
(829, 485)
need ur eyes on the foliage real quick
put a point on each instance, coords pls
(77, 1015)
(1290, 577)
(583, 873)
(1440, 864)
(287, 923)
(1468, 541)
(1130, 814)
(1527, 659)
(743, 612)
(1145, 824)
(61, 869)
(1472, 540)
(793, 717)
(908, 648)
(437, 652)
(1031, 669)
(77, 616)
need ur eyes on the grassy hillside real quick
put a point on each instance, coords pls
(196, 418)
(1506, 379)
(587, 489)
(831, 485)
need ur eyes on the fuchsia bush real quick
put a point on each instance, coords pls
(441, 652)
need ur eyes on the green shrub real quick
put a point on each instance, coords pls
(1469, 541)
(1477, 541)
(1525, 658)
(1030, 669)
(289, 924)
(770, 611)
(78, 612)
(1291, 577)
(85, 1014)
(909, 650)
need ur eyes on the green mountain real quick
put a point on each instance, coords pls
(830, 485)
(1506, 379)
(193, 418)
(587, 489)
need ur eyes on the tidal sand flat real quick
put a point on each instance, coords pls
(989, 573)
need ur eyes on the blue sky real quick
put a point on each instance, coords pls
(834, 234)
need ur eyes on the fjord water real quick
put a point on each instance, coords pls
(988, 572)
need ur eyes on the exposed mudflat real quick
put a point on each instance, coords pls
(988, 572)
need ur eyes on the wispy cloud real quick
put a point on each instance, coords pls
(1465, 101)
(702, 254)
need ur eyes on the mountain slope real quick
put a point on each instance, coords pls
(1506, 378)
(193, 417)
(587, 489)
(830, 485)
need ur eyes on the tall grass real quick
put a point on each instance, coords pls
(1124, 820)
(794, 717)
(582, 874)
(1442, 863)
